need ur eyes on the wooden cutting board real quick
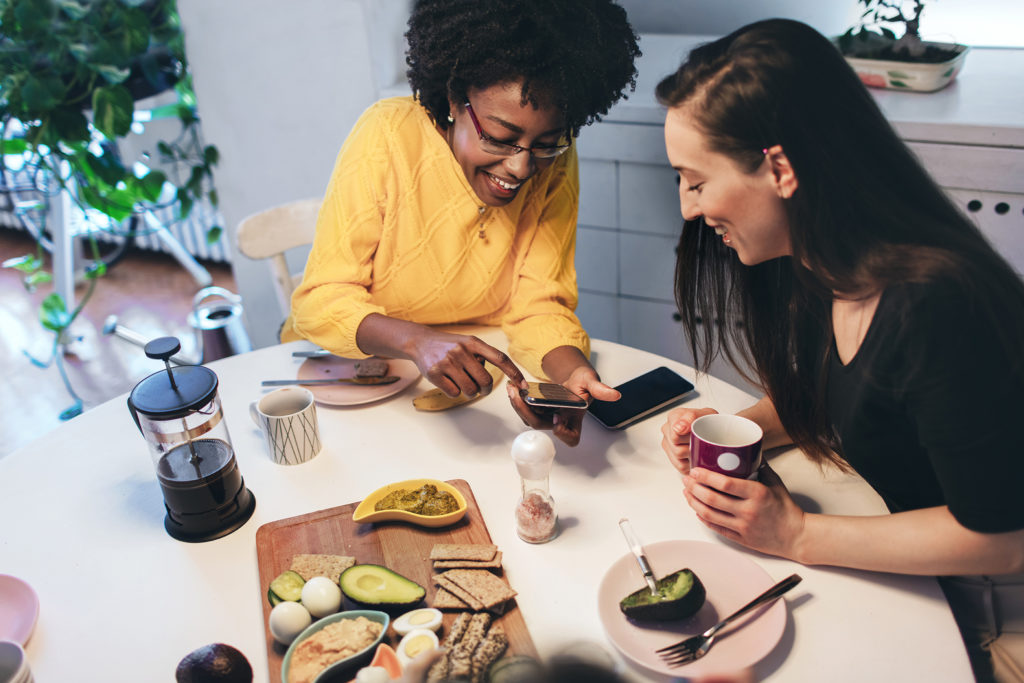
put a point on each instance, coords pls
(402, 547)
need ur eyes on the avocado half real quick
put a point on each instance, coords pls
(680, 595)
(376, 586)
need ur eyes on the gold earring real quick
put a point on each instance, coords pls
(451, 119)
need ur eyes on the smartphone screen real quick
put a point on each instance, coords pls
(546, 395)
(642, 397)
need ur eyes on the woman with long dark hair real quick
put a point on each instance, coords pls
(886, 332)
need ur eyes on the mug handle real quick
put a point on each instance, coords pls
(254, 414)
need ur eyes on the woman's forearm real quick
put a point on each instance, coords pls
(379, 335)
(926, 542)
(764, 414)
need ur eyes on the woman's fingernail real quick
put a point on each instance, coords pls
(680, 427)
(555, 419)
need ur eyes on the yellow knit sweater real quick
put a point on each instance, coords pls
(398, 234)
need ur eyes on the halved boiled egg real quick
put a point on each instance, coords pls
(415, 642)
(427, 617)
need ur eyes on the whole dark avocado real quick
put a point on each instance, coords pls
(214, 663)
(679, 595)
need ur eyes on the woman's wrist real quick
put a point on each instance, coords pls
(560, 363)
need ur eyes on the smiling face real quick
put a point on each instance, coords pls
(745, 208)
(495, 179)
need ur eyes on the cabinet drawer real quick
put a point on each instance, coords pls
(973, 167)
(647, 265)
(1000, 216)
(649, 199)
(597, 263)
(599, 314)
(599, 199)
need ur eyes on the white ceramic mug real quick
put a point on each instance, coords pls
(287, 418)
(13, 664)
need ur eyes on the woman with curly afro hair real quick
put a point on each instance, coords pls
(458, 204)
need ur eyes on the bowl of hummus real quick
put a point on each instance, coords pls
(335, 642)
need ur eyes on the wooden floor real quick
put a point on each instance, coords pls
(150, 293)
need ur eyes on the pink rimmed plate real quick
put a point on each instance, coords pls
(19, 609)
(731, 580)
(331, 367)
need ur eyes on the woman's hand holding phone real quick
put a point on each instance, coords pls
(676, 435)
(565, 423)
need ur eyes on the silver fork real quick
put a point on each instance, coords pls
(695, 647)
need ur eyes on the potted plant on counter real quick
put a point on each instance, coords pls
(906, 62)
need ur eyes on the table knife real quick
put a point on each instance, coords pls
(638, 552)
(317, 353)
(367, 381)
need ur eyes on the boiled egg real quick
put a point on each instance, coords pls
(427, 617)
(415, 642)
(321, 596)
(287, 620)
(372, 674)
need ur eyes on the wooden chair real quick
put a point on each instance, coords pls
(271, 233)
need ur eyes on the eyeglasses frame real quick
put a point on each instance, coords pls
(513, 150)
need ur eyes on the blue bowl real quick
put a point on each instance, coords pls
(373, 615)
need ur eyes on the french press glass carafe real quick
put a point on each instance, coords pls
(179, 414)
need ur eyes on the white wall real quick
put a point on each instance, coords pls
(279, 85)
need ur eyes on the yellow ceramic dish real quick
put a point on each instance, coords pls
(365, 513)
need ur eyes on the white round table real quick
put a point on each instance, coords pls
(81, 520)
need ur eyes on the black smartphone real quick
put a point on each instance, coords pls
(546, 395)
(642, 397)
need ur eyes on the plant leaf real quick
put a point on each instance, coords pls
(112, 110)
(213, 234)
(53, 314)
(113, 74)
(151, 184)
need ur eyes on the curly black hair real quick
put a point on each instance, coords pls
(574, 55)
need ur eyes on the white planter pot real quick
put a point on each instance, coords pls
(920, 77)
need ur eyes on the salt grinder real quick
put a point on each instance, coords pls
(536, 519)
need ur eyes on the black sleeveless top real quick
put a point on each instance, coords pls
(928, 412)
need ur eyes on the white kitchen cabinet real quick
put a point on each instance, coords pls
(970, 136)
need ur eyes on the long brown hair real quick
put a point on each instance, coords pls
(866, 215)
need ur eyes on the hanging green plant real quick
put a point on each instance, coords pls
(71, 72)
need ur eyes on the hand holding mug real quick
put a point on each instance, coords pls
(676, 435)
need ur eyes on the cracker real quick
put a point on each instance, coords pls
(446, 583)
(460, 657)
(371, 367)
(478, 552)
(445, 599)
(470, 564)
(488, 652)
(307, 566)
(484, 586)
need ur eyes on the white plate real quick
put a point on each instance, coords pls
(731, 579)
(19, 608)
(347, 394)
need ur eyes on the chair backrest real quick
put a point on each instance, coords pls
(272, 232)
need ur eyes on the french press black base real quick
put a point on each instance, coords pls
(179, 413)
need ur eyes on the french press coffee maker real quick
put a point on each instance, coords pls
(179, 414)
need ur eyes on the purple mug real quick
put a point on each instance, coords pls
(729, 444)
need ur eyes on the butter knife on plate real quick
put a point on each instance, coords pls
(366, 381)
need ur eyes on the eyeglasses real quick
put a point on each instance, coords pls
(506, 149)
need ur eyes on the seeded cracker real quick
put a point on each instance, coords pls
(469, 564)
(488, 652)
(446, 583)
(484, 586)
(444, 599)
(478, 552)
(460, 658)
(331, 566)
(439, 670)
